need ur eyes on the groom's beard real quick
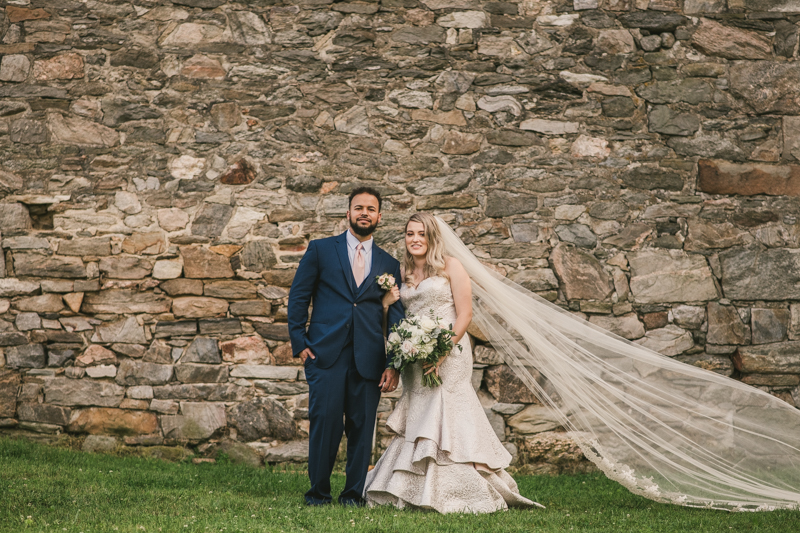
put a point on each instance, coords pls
(363, 231)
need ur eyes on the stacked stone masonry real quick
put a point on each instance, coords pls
(165, 164)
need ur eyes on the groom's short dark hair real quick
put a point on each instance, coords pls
(364, 190)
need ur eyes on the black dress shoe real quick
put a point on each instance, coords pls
(360, 502)
(316, 502)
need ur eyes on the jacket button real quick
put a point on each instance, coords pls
(355, 305)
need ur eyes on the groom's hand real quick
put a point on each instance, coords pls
(306, 353)
(389, 380)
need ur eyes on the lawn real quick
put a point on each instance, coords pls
(53, 489)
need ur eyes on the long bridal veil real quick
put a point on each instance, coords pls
(666, 430)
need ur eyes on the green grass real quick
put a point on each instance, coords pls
(50, 489)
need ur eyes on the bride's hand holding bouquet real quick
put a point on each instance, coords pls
(422, 339)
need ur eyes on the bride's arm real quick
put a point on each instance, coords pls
(461, 287)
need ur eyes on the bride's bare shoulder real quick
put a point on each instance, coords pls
(453, 266)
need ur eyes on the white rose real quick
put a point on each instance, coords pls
(427, 323)
(394, 337)
(407, 347)
(426, 339)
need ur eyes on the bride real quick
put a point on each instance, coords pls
(668, 431)
(446, 455)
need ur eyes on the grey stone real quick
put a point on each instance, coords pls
(608, 210)
(759, 273)
(295, 451)
(620, 106)
(211, 392)
(158, 352)
(688, 316)
(670, 340)
(419, 34)
(125, 330)
(767, 86)
(262, 418)
(628, 326)
(508, 408)
(303, 183)
(264, 372)
(441, 185)
(82, 392)
(503, 203)
(96, 246)
(197, 421)
(25, 356)
(43, 413)
(506, 137)
(506, 387)
(581, 274)
(175, 328)
(769, 325)
(126, 267)
(276, 332)
(785, 38)
(651, 43)
(281, 388)
(28, 321)
(662, 119)
(9, 392)
(690, 90)
(257, 256)
(14, 216)
(133, 372)
(220, 326)
(653, 21)
(534, 419)
(99, 444)
(577, 234)
(773, 358)
(124, 301)
(486, 355)
(714, 145)
(26, 131)
(14, 68)
(202, 350)
(211, 220)
(659, 276)
(29, 264)
(454, 81)
(725, 326)
(197, 373)
(58, 355)
(715, 39)
(536, 279)
(647, 177)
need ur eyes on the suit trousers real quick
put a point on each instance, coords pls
(335, 393)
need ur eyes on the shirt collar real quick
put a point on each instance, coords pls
(352, 242)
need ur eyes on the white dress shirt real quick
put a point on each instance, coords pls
(352, 242)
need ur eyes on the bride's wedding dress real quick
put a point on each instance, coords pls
(445, 455)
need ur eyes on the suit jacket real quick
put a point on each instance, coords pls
(325, 278)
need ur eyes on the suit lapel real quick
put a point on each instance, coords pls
(376, 264)
(347, 270)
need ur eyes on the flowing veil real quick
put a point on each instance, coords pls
(666, 430)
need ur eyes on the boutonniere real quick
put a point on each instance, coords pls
(385, 281)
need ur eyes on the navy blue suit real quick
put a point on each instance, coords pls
(346, 336)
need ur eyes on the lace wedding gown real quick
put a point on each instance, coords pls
(446, 455)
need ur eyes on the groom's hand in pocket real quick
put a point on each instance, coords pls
(389, 380)
(305, 354)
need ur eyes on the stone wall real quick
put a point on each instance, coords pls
(166, 163)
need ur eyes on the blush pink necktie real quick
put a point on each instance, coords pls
(358, 265)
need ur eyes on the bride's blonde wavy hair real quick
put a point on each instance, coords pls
(434, 257)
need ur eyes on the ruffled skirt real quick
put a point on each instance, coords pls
(445, 455)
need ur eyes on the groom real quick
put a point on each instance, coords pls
(343, 349)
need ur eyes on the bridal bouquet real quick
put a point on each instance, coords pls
(422, 339)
